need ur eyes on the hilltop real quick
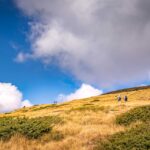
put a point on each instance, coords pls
(75, 125)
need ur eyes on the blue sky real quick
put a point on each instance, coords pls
(107, 67)
(40, 84)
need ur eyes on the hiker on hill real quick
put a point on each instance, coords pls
(125, 98)
(119, 98)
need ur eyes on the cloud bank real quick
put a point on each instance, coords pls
(11, 98)
(84, 91)
(104, 42)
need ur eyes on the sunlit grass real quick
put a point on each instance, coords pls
(86, 122)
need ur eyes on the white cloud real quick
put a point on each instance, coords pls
(10, 97)
(20, 57)
(142, 85)
(84, 91)
(103, 42)
(26, 103)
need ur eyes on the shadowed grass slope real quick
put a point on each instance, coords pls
(134, 138)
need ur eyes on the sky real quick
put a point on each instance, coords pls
(62, 50)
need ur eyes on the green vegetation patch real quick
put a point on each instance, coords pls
(48, 106)
(44, 107)
(95, 100)
(134, 139)
(24, 110)
(88, 104)
(31, 128)
(136, 114)
(90, 108)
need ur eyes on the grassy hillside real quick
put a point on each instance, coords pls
(86, 124)
(136, 136)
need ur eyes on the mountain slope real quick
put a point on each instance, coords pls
(86, 121)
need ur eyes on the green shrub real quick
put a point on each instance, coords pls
(31, 128)
(48, 106)
(88, 104)
(89, 108)
(95, 100)
(44, 107)
(134, 139)
(136, 114)
(24, 110)
(94, 108)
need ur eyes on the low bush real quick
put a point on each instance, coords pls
(89, 108)
(44, 107)
(95, 100)
(134, 139)
(136, 114)
(31, 128)
(88, 104)
(48, 106)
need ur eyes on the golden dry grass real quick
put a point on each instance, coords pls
(82, 128)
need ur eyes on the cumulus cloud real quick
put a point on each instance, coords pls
(11, 98)
(84, 91)
(26, 103)
(104, 42)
